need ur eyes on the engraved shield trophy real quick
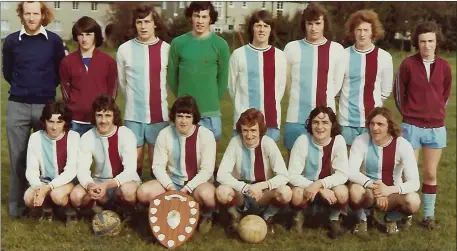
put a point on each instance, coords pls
(173, 217)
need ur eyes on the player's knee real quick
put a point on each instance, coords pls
(356, 192)
(429, 176)
(76, 196)
(143, 194)
(297, 193)
(28, 198)
(129, 193)
(59, 198)
(207, 196)
(284, 194)
(342, 197)
(412, 202)
(341, 193)
(297, 196)
(224, 194)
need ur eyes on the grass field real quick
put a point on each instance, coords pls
(29, 234)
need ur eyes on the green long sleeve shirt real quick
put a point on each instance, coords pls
(199, 67)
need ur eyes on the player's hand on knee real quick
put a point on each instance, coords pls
(185, 190)
(309, 193)
(380, 189)
(328, 195)
(98, 191)
(40, 195)
(90, 190)
(382, 203)
(171, 187)
(255, 191)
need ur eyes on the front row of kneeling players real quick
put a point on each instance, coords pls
(381, 171)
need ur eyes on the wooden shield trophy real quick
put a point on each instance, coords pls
(173, 217)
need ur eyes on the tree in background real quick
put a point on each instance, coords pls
(120, 29)
(396, 17)
(178, 26)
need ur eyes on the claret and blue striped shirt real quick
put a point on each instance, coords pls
(142, 71)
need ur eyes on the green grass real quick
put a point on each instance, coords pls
(28, 234)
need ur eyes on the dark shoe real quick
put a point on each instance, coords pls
(47, 215)
(205, 225)
(373, 220)
(391, 227)
(405, 222)
(127, 217)
(71, 216)
(361, 230)
(430, 223)
(235, 217)
(335, 229)
(270, 226)
(297, 222)
(35, 212)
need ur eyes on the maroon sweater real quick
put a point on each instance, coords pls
(421, 102)
(80, 87)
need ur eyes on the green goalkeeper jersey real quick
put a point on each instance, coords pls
(199, 67)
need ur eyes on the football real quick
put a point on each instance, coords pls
(252, 229)
(106, 223)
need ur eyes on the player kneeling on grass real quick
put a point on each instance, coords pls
(252, 173)
(51, 162)
(184, 158)
(113, 147)
(318, 169)
(378, 160)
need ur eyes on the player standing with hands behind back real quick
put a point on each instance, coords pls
(198, 65)
(422, 90)
(142, 67)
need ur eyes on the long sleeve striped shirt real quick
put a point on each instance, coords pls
(257, 79)
(142, 71)
(52, 159)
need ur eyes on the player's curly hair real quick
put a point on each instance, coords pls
(46, 12)
(197, 6)
(185, 104)
(56, 107)
(250, 118)
(394, 128)
(312, 12)
(358, 17)
(106, 103)
(336, 127)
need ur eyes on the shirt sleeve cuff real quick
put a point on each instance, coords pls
(244, 189)
(367, 183)
(36, 186)
(118, 182)
(190, 189)
(400, 190)
(324, 184)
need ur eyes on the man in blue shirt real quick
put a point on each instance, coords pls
(31, 59)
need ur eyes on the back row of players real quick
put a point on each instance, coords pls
(198, 63)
